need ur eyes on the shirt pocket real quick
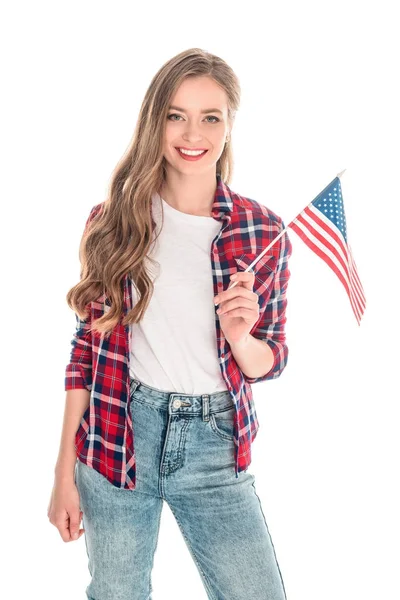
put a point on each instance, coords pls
(264, 270)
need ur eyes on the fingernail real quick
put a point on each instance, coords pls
(75, 536)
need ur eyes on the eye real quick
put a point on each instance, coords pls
(179, 116)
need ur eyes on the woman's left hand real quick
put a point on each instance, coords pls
(239, 307)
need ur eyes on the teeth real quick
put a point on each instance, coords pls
(191, 152)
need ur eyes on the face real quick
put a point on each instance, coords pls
(197, 119)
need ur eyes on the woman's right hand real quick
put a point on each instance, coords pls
(63, 510)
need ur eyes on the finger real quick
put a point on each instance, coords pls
(244, 278)
(238, 292)
(238, 302)
(74, 521)
(62, 525)
(249, 314)
(240, 289)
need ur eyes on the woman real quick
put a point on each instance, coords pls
(159, 403)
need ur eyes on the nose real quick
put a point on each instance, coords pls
(192, 133)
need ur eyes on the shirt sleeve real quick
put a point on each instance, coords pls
(271, 327)
(78, 372)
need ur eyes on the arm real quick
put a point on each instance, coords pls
(253, 356)
(64, 506)
(63, 510)
(78, 372)
(76, 403)
(271, 328)
(78, 383)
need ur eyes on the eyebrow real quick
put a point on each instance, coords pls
(203, 112)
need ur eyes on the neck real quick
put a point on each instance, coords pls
(191, 194)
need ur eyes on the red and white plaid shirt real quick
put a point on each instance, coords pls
(104, 439)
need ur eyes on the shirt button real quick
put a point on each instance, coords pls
(220, 285)
(222, 355)
(176, 403)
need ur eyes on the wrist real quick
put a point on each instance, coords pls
(62, 473)
(242, 343)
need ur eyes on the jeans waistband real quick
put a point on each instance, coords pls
(179, 403)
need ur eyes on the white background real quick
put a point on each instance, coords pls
(318, 96)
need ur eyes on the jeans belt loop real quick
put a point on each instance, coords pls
(134, 385)
(206, 412)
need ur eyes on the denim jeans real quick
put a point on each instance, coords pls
(184, 455)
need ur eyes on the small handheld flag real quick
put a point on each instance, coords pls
(322, 226)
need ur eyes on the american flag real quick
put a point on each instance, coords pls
(322, 226)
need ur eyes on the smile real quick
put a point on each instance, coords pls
(191, 154)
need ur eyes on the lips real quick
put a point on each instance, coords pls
(191, 158)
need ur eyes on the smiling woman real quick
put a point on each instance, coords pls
(159, 400)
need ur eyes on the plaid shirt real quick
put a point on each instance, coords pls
(104, 439)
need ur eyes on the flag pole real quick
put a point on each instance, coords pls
(339, 175)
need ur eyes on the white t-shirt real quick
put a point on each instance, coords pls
(174, 347)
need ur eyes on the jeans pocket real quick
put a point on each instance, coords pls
(222, 423)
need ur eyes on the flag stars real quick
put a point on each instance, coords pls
(332, 208)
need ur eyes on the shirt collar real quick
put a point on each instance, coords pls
(223, 203)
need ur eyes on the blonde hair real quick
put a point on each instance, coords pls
(117, 240)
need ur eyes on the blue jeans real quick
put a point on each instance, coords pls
(184, 455)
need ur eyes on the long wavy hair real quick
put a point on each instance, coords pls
(118, 239)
